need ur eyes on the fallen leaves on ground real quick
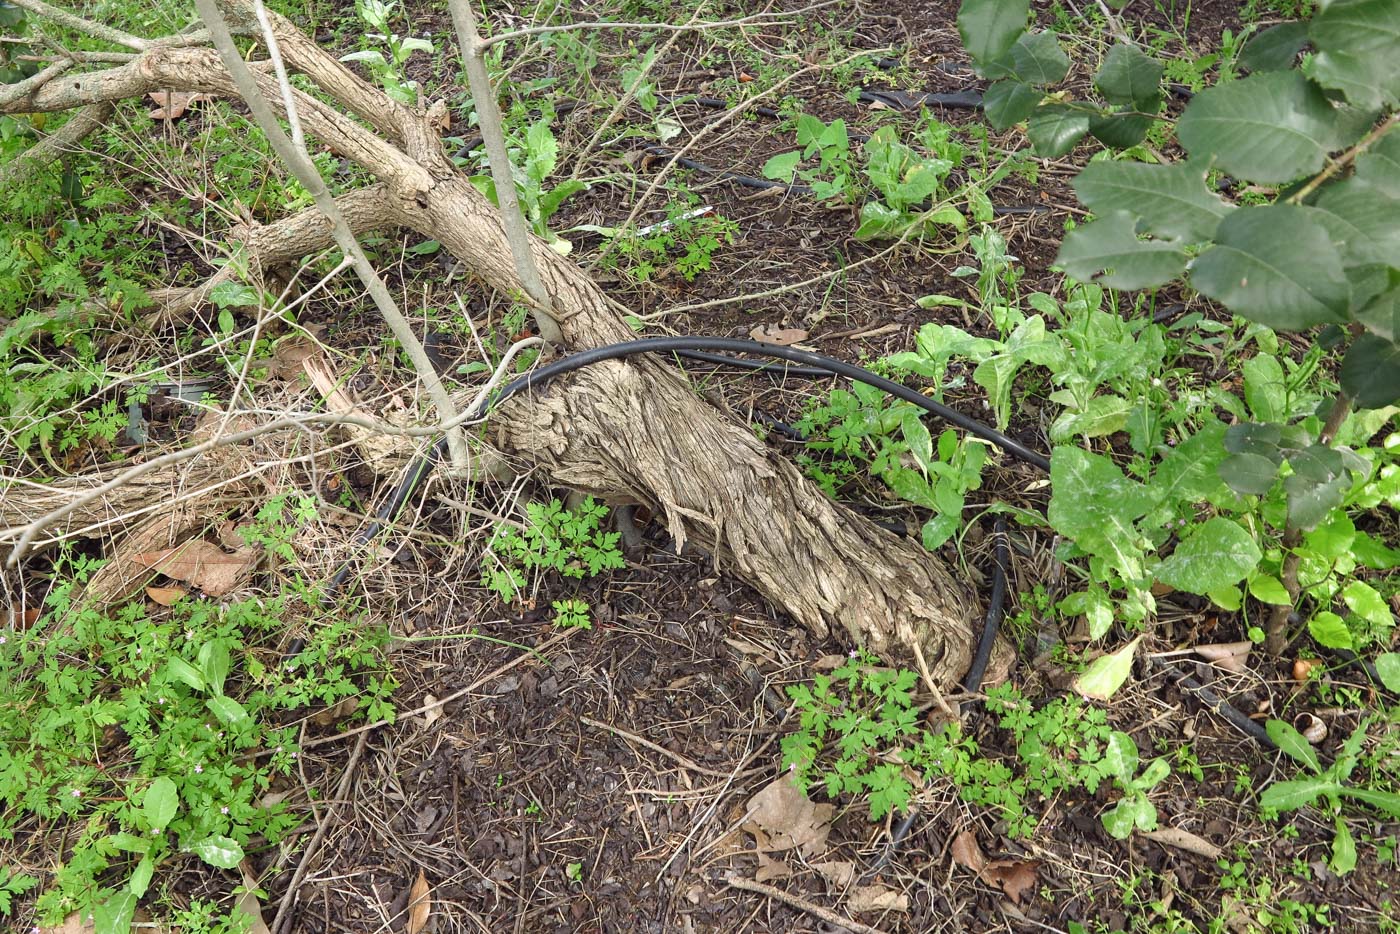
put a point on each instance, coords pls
(1231, 656)
(203, 564)
(166, 596)
(838, 872)
(1015, 877)
(248, 901)
(783, 337)
(876, 898)
(789, 818)
(420, 904)
(173, 104)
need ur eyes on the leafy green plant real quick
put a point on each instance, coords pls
(686, 240)
(570, 542)
(534, 156)
(377, 15)
(572, 614)
(1329, 785)
(155, 734)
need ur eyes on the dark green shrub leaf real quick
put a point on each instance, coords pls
(1371, 371)
(1110, 244)
(1269, 127)
(1361, 218)
(1055, 128)
(1128, 76)
(990, 27)
(1380, 164)
(1252, 474)
(1382, 316)
(1276, 48)
(1256, 438)
(1037, 59)
(1217, 554)
(1318, 485)
(1008, 102)
(1171, 200)
(1277, 266)
(1121, 130)
(1358, 48)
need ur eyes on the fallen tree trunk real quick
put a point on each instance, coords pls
(630, 431)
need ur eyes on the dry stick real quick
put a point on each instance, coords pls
(305, 170)
(676, 757)
(826, 914)
(488, 117)
(284, 907)
(72, 21)
(10, 92)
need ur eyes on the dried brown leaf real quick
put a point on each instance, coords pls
(839, 872)
(784, 337)
(770, 869)
(173, 104)
(73, 924)
(876, 898)
(1231, 656)
(967, 853)
(420, 904)
(432, 714)
(166, 596)
(203, 564)
(789, 818)
(1015, 877)
(339, 711)
(248, 902)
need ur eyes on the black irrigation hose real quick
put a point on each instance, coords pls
(1215, 703)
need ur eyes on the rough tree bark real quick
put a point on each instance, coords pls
(632, 431)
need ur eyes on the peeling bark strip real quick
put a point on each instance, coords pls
(625, 431)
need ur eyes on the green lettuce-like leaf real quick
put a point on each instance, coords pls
(1171, 201)
(1108, 251)
(1371, 371)
(990, 27)
(1096, 506)
(1275, 265)
(1217, 554)
(1128, 76)
(1270, 127)
(1008, 102)
(1054, 129)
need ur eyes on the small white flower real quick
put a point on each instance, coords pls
(224, 809)
(199, 770)
(76, 792)
(1156, 383)
(3, 640)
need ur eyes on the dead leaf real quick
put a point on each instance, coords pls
(876, 898)
(289, 355)
(789, 818)
(1015, 877)
(166, 596)
(770, 869)
(784, 337)
(248, 902)
(420, 904)
(967, 853)
(839, 872)
(73, 924)
(1231, 656)
(173, 104)
(20, 620)
(342, 709)
(1185, 840)
(432, 714)
(203, 564)
(830, 662)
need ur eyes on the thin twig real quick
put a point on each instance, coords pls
(676, 757)
(73, 21)
(764, 18)
(801, 904)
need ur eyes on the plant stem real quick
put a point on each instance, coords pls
(1342, 161)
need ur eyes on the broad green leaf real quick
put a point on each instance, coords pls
(1380, 164)
(1291, 795)
(1343, 848)
(1293, 744)
(1276, 48)
(1382, 316)
(1189, 472)
(1371, 371)
(1269, 127)
(228, 710)
(1170, 200)
(177, 667)
(1121, 130)
(1134, 811)
(1008, 102)
(1053, 129)
(782, 166)
(541, 151)
(1094, 605)
(1037, 59)
(1388, 668)
(1318, 485)
(1330, 631)
(1217, 553)
(1094, 505)
(1251, 474)
(1332, 540)
(234, 295)
(1361, 218)
(1100, 417)
(1264, 388)
(1268, 589)
(1110, 243)
(1277, 266)
(1358, 49)
(114, 915)
(1120, 756)
(1374, 554)
(213, 661)
(1229, 598)
(222, 852)
(1106, 674)
(1128, 76)
(161, 802)
(1364, 600)
(990, 27)
(1156, 772)
(141, 876)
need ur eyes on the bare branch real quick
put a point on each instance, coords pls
(19, 89)
(65, 139)
(489, 121)
(305, 170)
(96, 30)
